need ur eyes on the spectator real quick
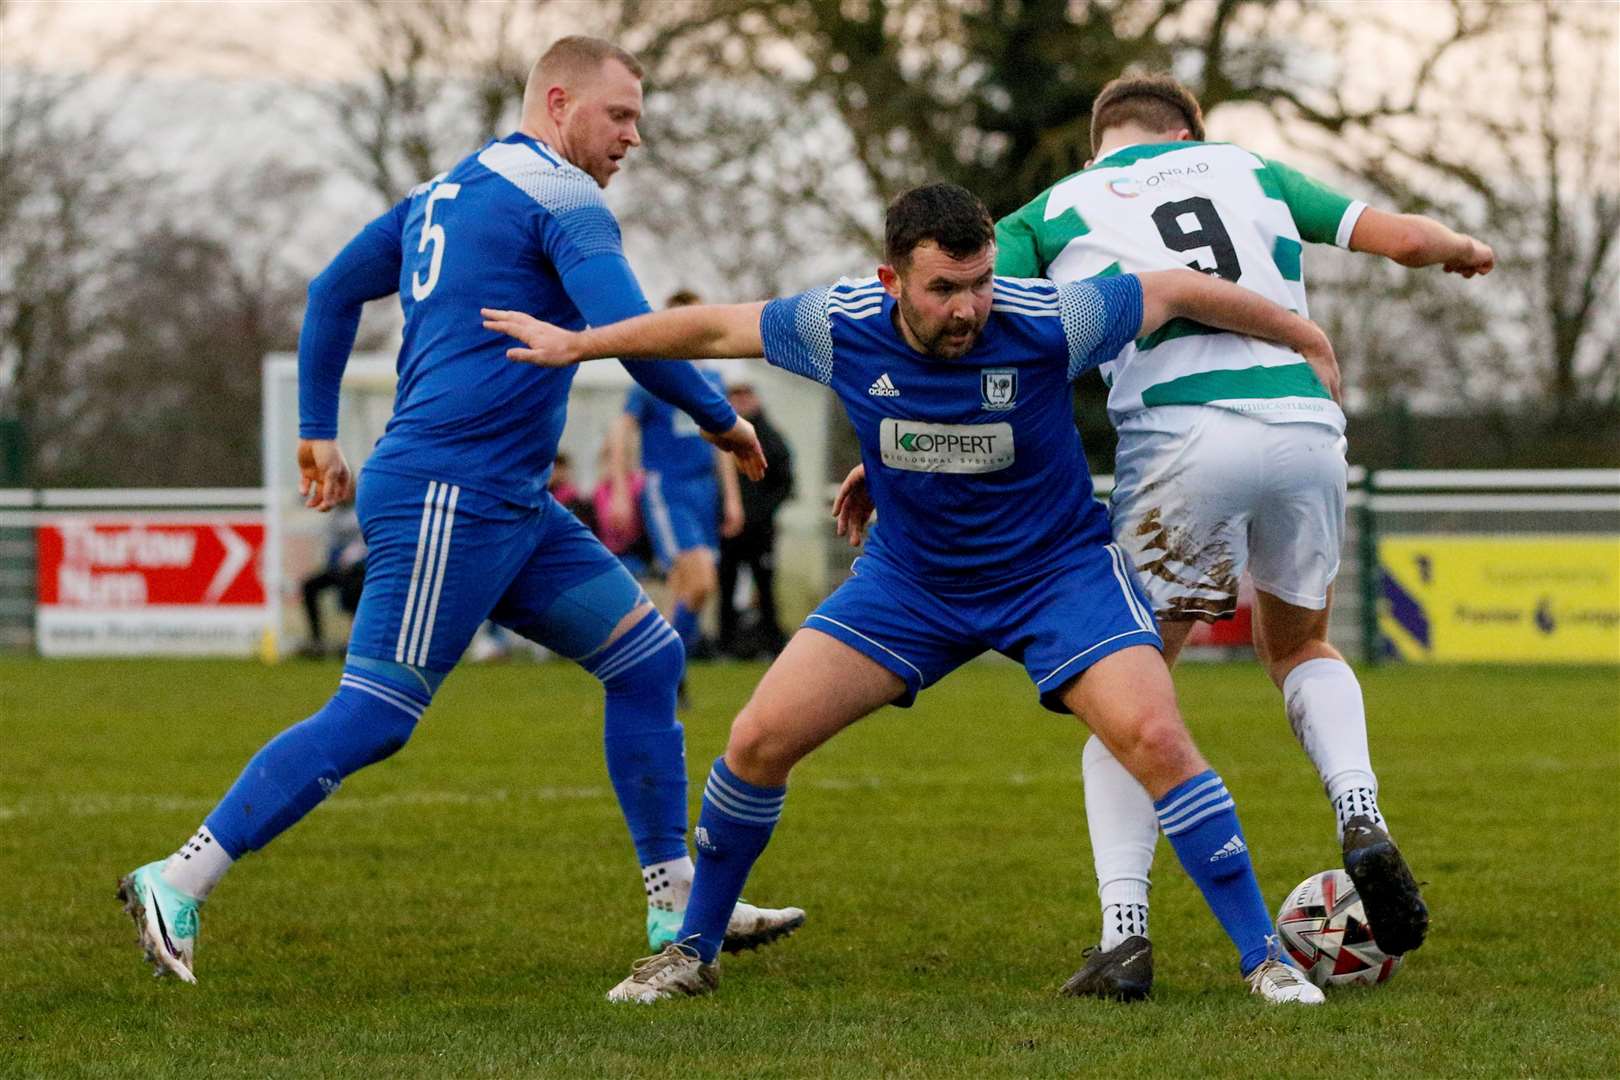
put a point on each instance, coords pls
(616, 506)
(562, 488)
(689, 502)
(755, 545)
(345, 571)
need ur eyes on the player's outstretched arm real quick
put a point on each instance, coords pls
(704, 331)
(1414, 240)
(1187, 294)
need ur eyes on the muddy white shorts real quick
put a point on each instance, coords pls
(1202, 493)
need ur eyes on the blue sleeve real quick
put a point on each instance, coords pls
(584, 247)
(1100, 316)
(635, 404)
(797, 332)
(367, 269)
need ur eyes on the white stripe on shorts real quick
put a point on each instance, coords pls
(1122, 574)
(416, 570)
(438, 578)
(427, 554)
(658, 510)
(1040, 684)
(879, 644)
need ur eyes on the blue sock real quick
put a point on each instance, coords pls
(645, 746)
(1201, 822)
(733, 828)
(365, 721)
(685, 621)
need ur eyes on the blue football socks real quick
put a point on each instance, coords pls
(1201, 822)
(645, 745)
(734, 826)
(365, 721)
(685, 621)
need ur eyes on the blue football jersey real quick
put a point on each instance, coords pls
(671, 441)
(512, 226)
(974, 463)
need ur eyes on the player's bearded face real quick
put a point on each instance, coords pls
(600, 127)
(944, 301)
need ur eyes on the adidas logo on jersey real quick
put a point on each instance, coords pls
(1234, 846)
(883, 387)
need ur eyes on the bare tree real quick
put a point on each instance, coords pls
(134, 310)
(432, 79)
(60, 222)
(1518, 142)
(785, 125)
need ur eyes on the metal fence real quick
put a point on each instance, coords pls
(1386, 504)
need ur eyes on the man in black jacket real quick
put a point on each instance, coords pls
(755, 546)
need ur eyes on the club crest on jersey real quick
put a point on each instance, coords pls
(998, 387)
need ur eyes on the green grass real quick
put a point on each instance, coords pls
(461, 908)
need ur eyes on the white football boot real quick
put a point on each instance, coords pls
(748, 928)
(1280, 983)
(675, 972)
(165, 920)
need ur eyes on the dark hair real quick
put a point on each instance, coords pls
(683, 298)
(948, 214)
(1155, 101)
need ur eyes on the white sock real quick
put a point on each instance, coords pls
(1326, 712)
(1124, 829)
(669, 884)
(199, 864)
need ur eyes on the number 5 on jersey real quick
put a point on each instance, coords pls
(432, 234)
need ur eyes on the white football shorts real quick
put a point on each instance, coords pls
(1203, 493)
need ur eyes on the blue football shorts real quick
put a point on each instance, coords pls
(442, 558)
(681, 513)
(1056, 624)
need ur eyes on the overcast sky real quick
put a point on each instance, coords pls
(213, 73)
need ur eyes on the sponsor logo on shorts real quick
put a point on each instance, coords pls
(946, 448)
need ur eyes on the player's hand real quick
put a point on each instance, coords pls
(548, 345)
(742, 443)
(1319, 354)
(852, 507)
(1478, 259)
(731, 519)
(324, 479)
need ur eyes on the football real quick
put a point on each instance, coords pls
(1323, 927)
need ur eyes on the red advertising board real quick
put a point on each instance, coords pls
(149, 583)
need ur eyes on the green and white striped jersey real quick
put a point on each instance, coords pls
(1213, 207)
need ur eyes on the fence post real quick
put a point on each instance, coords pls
(1371, 572)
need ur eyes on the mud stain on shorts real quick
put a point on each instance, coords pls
(1203, 571)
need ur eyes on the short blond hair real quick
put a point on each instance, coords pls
(572, 59)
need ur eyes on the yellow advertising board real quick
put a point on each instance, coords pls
(1519, 599)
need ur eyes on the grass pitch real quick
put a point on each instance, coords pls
(460, 909)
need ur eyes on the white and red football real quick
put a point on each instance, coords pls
(1323, 927)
